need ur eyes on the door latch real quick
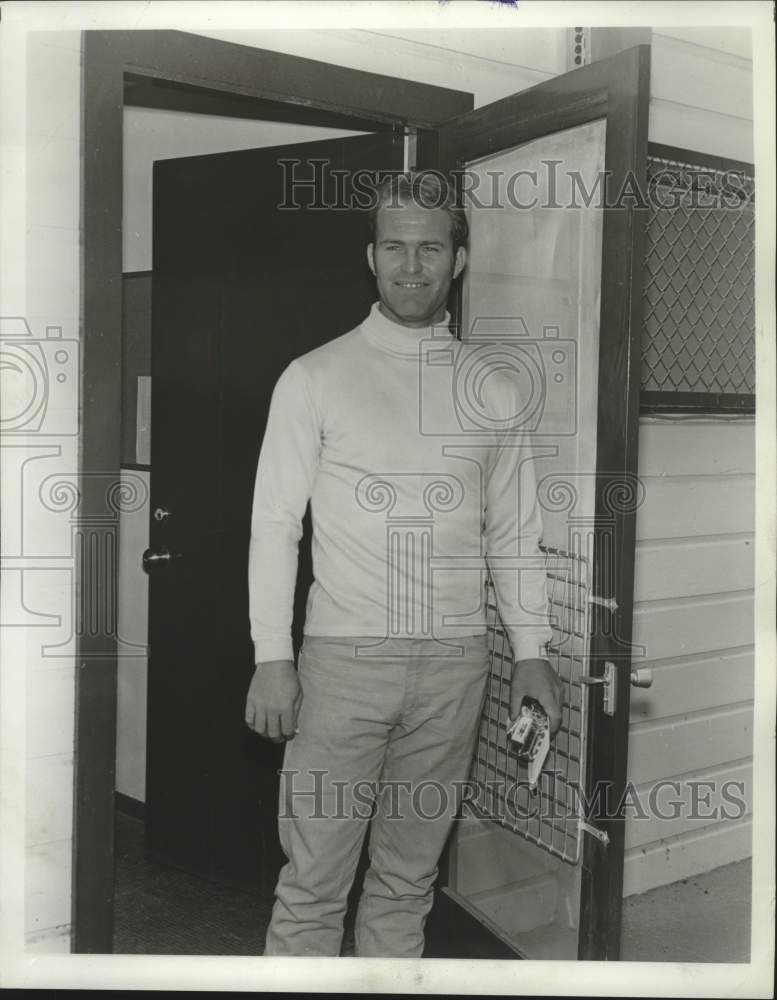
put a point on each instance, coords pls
(610, 681)
(642, 677)
(601, 835)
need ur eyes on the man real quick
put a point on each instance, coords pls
(392, 673)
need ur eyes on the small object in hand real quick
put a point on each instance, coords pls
(531, 734)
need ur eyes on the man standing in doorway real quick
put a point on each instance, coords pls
(382, 715)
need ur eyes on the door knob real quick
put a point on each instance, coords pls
(642, 677)
(155, 559)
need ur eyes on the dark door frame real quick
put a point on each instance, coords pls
(172, 68)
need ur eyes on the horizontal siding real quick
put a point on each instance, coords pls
(701, 87)
(479, 66)
(703, 131)
(701, 78)
(655, 813)
(688, 743)
(725, 39)
(662, 863)
(680, 626)
(696, 446)
(542, 50)
(693, 619)
(694, 684)
(678, 507)
(693, 567)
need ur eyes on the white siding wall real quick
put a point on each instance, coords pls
(694, 562)
(701, 90)
(694, 619)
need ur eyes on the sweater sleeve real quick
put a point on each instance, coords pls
(284, 480)
(512, 533)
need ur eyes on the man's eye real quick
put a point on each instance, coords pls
(432, 249)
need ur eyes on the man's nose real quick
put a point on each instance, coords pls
(412, 261)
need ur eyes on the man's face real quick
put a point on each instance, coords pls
(414, 263)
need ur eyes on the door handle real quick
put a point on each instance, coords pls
(156, 559)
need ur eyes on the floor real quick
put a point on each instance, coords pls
(161, 911)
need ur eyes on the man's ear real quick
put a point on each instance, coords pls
(460, 262)
(371, 256)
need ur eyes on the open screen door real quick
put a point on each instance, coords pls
(551, 178)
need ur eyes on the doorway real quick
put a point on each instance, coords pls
(154, 69)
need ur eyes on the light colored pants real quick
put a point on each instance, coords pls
(406, 720)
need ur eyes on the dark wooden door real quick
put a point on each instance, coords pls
(555, 175)
(240, 288)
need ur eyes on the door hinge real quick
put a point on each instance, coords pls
(599, 834)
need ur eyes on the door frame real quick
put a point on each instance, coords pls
(189, 67)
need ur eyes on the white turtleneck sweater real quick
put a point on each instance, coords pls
(407, 505)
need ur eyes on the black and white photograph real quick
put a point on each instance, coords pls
(388, 497)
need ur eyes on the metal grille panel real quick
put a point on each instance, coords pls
(550, 815)
(698, 332)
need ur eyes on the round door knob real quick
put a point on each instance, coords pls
(155, 559)
(642, 678)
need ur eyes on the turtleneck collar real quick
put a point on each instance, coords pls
(401, 341)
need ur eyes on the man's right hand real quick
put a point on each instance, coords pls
(273, 700)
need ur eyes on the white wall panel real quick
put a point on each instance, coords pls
(693, 625)
(687, 743)
(693, 614)
(679, 507)
(701, 78)
(693, 684)
(666, 861)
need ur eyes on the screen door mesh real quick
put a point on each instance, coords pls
(549, 815)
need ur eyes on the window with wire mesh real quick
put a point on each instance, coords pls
(698, 332)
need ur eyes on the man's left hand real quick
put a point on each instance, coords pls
(537, 679)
